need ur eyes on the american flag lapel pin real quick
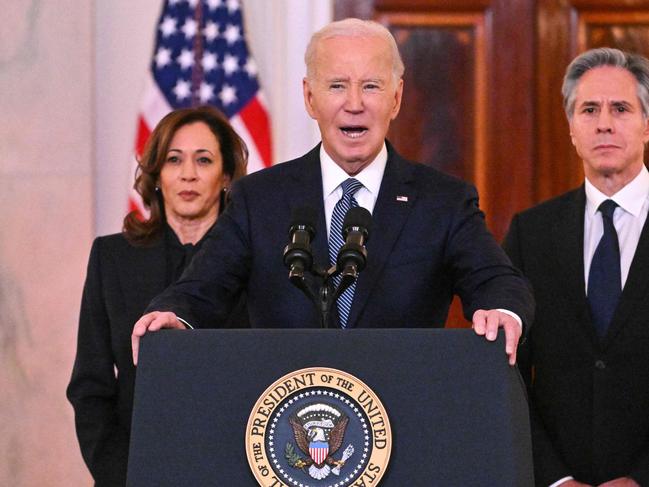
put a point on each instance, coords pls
(404, 199)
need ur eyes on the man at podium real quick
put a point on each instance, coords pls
(429, 240)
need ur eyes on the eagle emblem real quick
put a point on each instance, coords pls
(319, 430)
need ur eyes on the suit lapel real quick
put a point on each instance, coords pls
(569, 237)
(394, 202)
(307, 192)
(635, 288)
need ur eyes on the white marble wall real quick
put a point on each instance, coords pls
(46, 225)
(71, 75)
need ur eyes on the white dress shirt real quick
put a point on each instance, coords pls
(333, 176)
(628, 219)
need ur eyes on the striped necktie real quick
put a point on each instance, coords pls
(347, 201)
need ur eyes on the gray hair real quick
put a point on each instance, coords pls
(635, 64)
(353, 28)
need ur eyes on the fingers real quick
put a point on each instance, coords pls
(512, 336)
(619, 482)
(139, 330)
(135, 346)
(153, 321)
(487, 322)
(480, 322)
(493, 322)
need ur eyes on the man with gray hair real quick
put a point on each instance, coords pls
(586, 253)
(428, 240)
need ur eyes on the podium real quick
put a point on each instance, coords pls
(457, 410)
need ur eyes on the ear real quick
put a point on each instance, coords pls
(308, 98)
(398, 94)
(645, 132)
(226, 180)
(572, 137)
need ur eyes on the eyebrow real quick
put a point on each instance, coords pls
(198, 151)
(622, 103)
(593, 103)
(339, 79)
(336, 79)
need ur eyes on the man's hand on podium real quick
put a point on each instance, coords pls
(487, 322)
(154, 321)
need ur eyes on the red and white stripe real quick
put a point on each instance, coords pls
(318, 454)
(251, 123)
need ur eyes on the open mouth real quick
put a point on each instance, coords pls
(353, 131)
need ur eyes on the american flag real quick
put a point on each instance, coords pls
(201, 58)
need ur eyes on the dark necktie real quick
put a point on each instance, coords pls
(347, 201)
(604, 278)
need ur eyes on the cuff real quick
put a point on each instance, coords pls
(516, 317)
(185, 322)
(561, 481)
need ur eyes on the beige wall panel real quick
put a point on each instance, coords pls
(46, 208)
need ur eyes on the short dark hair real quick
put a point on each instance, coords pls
(233, 151)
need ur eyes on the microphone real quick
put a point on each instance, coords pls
(352, 256)
(297, 254)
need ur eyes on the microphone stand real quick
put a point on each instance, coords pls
(325, 296)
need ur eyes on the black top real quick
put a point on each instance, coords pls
(120, 282)
(179, 255)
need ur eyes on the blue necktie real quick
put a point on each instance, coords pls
(604, 278)
(347, 201)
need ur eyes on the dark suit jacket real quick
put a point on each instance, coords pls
(420, 252)
(121, 281)
(590, 397)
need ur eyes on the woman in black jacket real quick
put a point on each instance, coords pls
(187, 166)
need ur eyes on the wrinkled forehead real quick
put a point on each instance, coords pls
(332, 44)
(353, 53)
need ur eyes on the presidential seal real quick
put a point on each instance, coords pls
(318, 427)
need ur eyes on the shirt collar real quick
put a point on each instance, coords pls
(333, 175)
(630, 198)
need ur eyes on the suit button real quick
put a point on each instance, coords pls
(600, 364)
